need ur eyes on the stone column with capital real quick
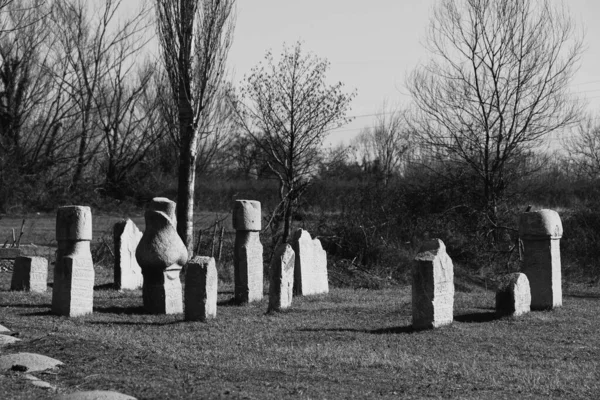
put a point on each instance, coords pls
(248, 251)
(540, 232)
(73, 287)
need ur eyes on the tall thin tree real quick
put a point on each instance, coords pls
(195, 38)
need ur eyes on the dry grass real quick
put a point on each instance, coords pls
(349, 344)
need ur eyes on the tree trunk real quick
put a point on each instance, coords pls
(185, 196)
(80, 160)
(287, 223)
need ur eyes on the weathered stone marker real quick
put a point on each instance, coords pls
(432, 286)
(73, 288)
(540, 231)
(310, 268)
(248, 251)
(30, 274)
(127, 272)
(201, 289)
(281, 287)
(161, 254)
(513, 296)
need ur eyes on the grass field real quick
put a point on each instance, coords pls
(348, 344)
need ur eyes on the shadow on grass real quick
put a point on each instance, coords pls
(230, 303)
(38, 314)
(122, 310)
(26, 305)
(105, 286)
(584, 295)
(477, 317)
(148, 323)
(380, 331)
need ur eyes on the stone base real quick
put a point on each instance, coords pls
(30, 274)
(162, 292)
(201, 282)
(248, 267)
(73, 289)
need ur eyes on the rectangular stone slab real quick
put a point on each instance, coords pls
(201, 288)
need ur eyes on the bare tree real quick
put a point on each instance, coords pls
(583, 148)
(384, 145)
(93, 42)
(195, 37)
(289, 110)
(497, 84)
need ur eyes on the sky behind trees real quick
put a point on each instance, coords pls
(371, 46)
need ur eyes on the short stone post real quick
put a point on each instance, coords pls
(281, 287)
(127, 272)
(540, 231)
(201, 289)
(513, 297)
(73, 288)
(432, 286)
(161, 254)
(310, 268)
(30, 274)
(248, 251)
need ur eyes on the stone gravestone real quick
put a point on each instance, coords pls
(513, 296)
(161, 254)
(30, 274)
(127, 272)
(540, 231)
(281, 285)
(248, 251)
(310, 269)
(432, 286)
(73, 288)
(201, 289)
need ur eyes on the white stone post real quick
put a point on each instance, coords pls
(201, 289)
(127, 272)
(30, 274)
(281, 286)
(432, 286)
(540, 231)
(248, 251)
(513, 296)
(310, 269)
(73, 287)
(161, 254)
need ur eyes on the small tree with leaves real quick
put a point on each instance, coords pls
(288, 110)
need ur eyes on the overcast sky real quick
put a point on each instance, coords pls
(372, 46)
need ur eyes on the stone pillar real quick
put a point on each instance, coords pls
(161, 254)
(540, 231)
(248, 251)
(30, 274)
(73, 288)
(432, 286)
(201, 289)
(127, 272)
(310, 269)
(513, 296)
(281, 285)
